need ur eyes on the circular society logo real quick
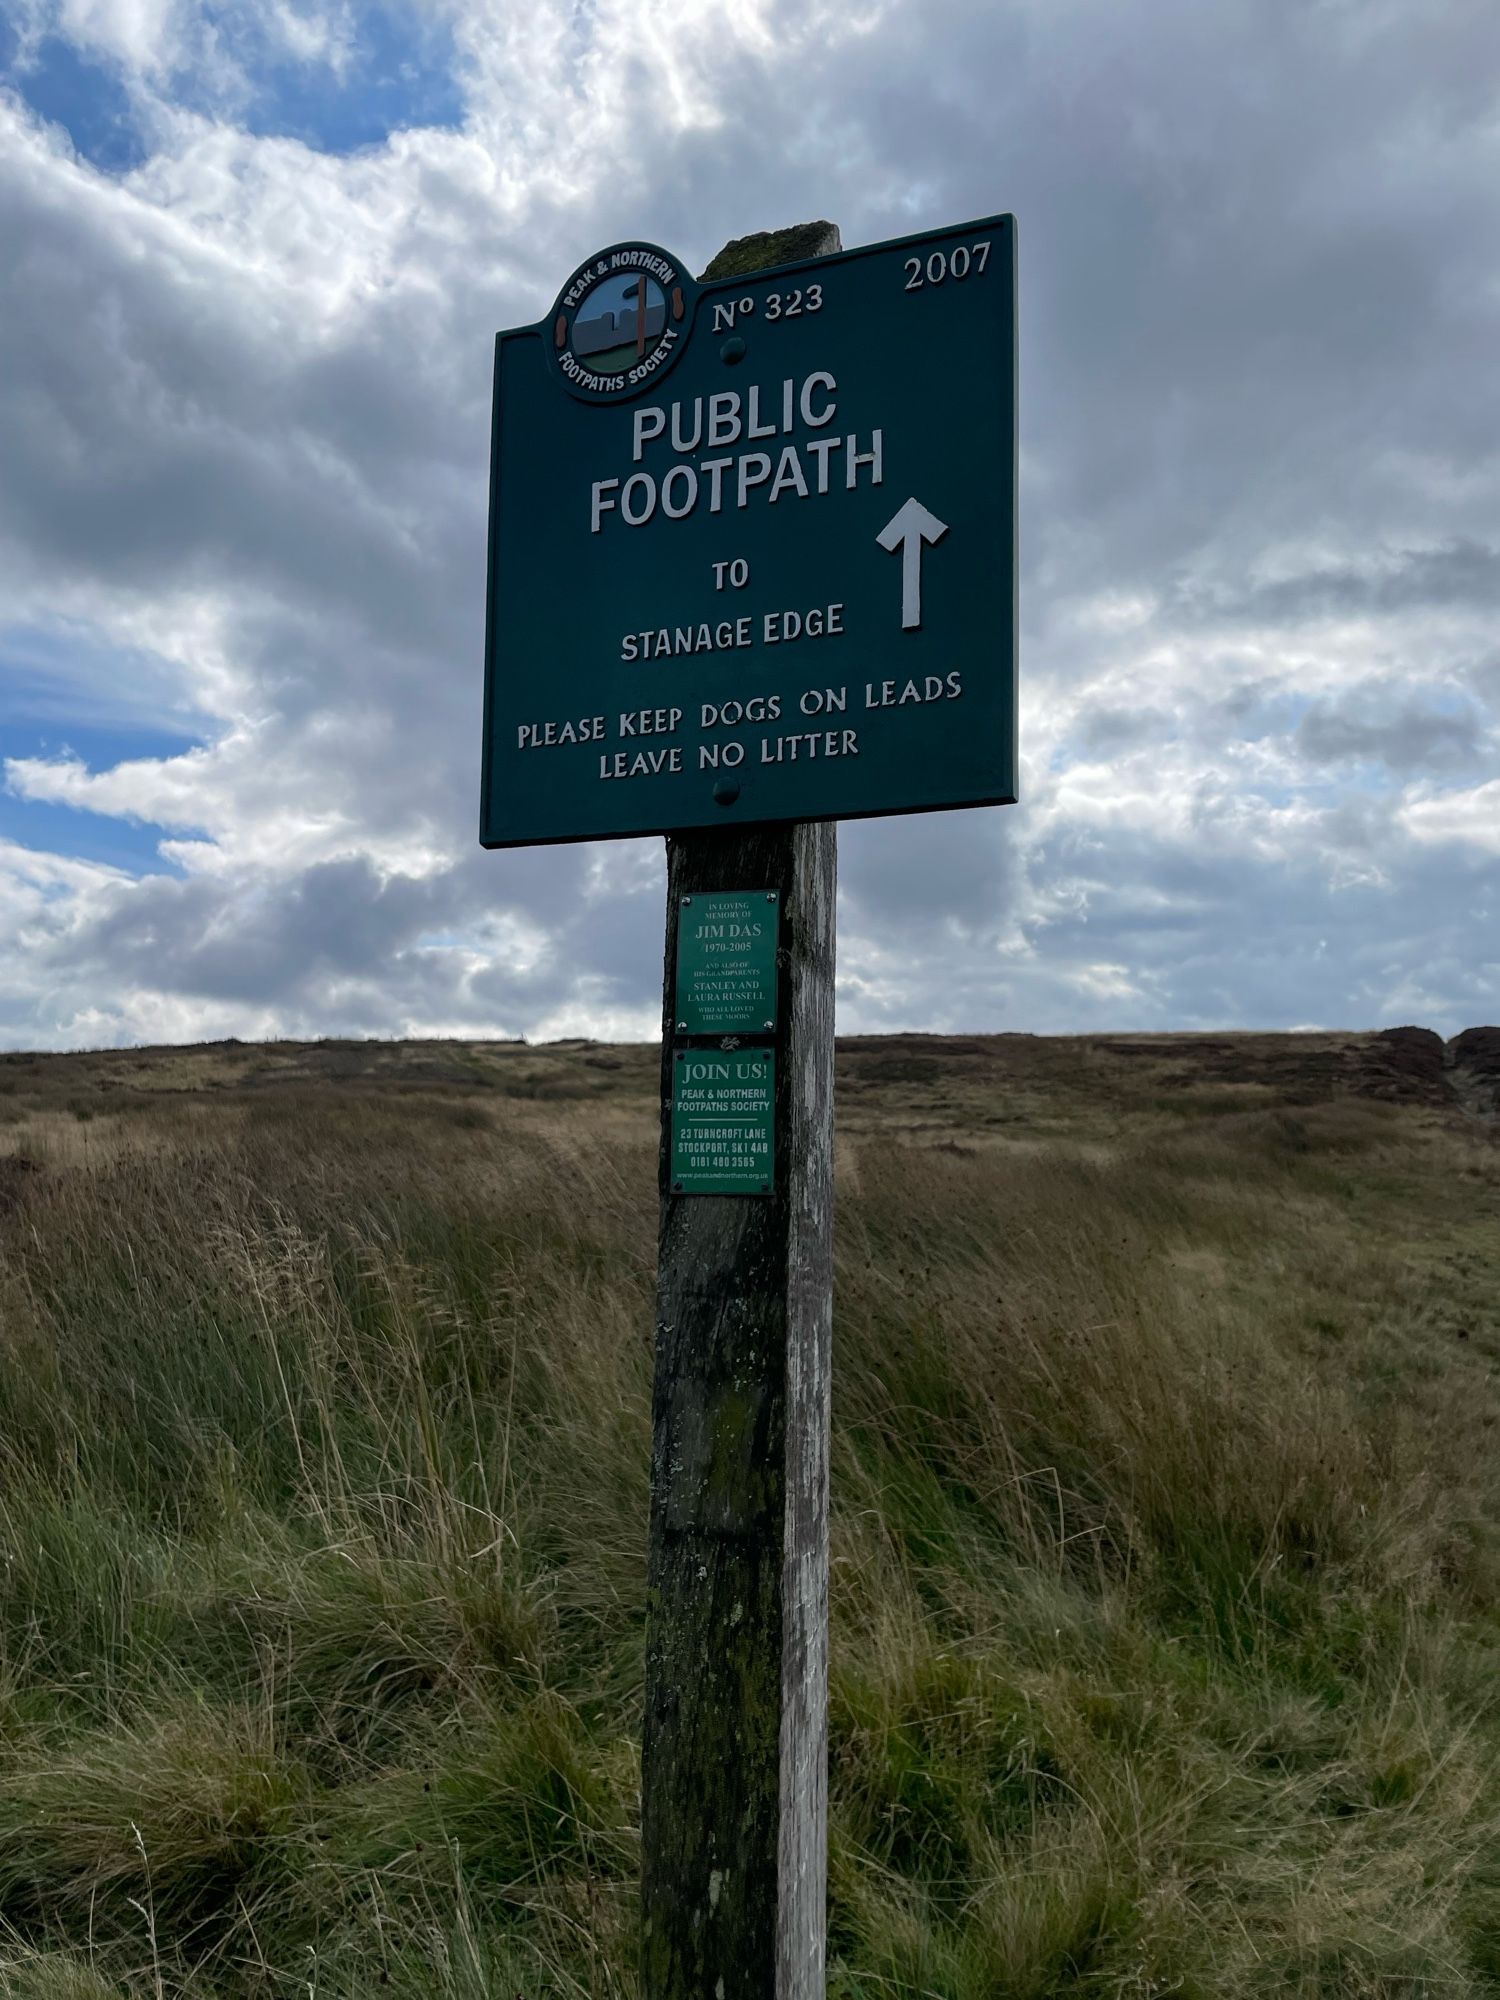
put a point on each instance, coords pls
(620, 321)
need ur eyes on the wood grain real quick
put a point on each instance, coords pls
(734, 1810)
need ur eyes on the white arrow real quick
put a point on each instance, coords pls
(907, 530)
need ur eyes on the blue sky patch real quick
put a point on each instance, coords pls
(86, 98)
(83, 836)
(71, 831)
(69, 681)
(49, 685)
(399, 71)
(65, 692)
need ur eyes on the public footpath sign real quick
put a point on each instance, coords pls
(752, 570)
(753, 543)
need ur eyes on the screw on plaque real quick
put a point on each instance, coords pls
(770, 895)
(687, 900)
(768, 1026)
(726, 791)
(677, 1187)
(682, 1024)
(765, 1187)
(733, 349)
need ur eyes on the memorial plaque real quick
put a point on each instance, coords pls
(753, 544)
(726, 962)
(723, 1111)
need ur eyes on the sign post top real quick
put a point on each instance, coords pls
(752, 543)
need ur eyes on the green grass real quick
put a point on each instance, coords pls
(1165, 1546)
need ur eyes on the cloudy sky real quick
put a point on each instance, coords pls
(253, 254)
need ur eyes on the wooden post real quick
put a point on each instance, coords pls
(735, 1738)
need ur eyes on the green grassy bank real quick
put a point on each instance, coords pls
(1166, 1498)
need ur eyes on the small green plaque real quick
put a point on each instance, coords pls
(723, 1121)
(726, 962)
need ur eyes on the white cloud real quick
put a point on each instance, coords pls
(1467, 818)
(139, 34)
(243, 432)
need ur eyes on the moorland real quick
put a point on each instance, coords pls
(1166, 1517)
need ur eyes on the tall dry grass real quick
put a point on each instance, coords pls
(1165, 1536)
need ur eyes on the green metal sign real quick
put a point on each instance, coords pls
(726, 962)
(752, 543)
(723, 1121)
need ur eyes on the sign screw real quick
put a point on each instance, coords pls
(765, 1187)
(677, 1187)
(726, 792)
(686, 900)
(733, 349)
(768, 1026)
(770, 895)
(681, 1024)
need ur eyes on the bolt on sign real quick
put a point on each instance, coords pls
(726, 963)
(722, 1122)
(753, 543)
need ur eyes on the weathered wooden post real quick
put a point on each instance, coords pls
(733, 1813)
(695, 628)
(735, 1752)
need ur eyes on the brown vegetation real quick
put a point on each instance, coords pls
(1166, 1514)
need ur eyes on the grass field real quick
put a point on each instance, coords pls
(1166, 1536)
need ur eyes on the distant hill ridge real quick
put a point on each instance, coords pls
(1408, 1064)
(1404, 1065)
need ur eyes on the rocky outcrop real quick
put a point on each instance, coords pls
(1473, 1070)
(1403, 1065)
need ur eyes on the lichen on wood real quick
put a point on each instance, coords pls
(768, 248)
